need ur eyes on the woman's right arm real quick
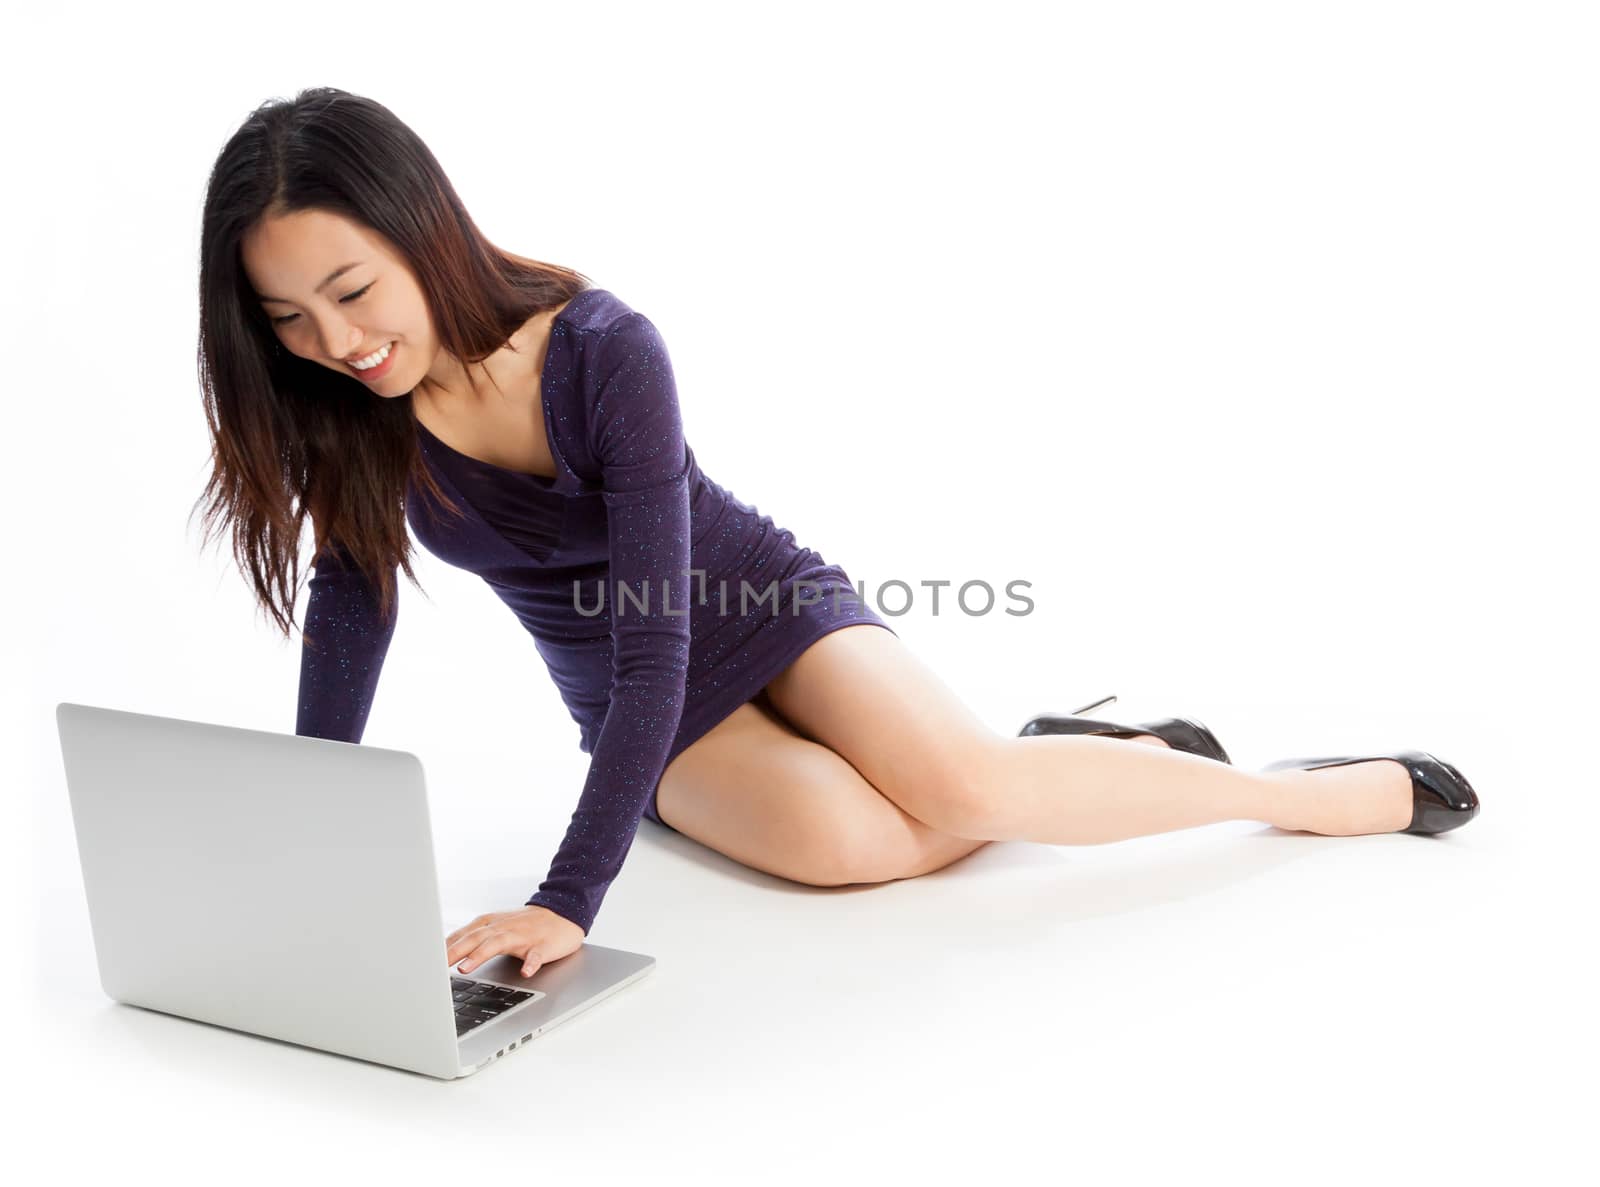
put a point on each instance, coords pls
(343, 645)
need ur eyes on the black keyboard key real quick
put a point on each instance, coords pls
(477, 1002)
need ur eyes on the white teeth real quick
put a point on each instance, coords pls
(372, 360)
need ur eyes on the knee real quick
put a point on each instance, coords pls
(869, 858)
(958, 793)
(866, 848)
(841, 840)
(885, 837)
(843, 860)
(856, 850)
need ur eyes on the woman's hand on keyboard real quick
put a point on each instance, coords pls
(534, 935)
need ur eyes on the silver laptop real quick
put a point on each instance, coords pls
(285, 886)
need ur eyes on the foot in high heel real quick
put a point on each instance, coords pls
(1180, 733)
(1441, 797)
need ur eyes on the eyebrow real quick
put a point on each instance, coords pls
(329, 279)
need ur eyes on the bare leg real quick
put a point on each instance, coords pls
(862, 693)
(1086, 789)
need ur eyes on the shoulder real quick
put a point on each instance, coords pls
(598, 315)
(612, 390)
(605, 346)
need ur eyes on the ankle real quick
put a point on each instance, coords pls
(1294, 802)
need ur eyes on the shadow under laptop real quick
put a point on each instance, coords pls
(201, 1050)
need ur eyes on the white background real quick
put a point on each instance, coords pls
(1259, 338)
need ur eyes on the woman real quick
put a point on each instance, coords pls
(369, 360)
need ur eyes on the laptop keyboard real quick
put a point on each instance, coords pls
(478, 1002)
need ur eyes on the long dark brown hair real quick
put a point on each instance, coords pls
(291, 438)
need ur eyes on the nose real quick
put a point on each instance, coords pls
(339, 338)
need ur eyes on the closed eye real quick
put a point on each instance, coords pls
(359, 293)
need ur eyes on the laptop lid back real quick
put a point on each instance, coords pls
(266, 882)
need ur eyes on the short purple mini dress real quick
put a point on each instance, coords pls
(659, 601)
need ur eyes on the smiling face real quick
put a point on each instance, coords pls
(337, 293)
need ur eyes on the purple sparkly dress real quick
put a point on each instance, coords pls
(659, 601)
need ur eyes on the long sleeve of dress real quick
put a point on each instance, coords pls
(343, 645)
(636, 434)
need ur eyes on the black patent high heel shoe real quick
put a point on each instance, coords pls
(1180, 733)
(1441, 797)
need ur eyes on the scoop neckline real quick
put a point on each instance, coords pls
(478, 461)
(544, 413)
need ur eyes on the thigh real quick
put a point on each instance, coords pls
(860, 692)
(757, 791)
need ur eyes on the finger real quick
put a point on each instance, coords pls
(470, 940)
(493, 945)
(531, 961)
(482, 921)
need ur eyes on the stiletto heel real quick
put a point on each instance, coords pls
(1093, 705)
(1180, 733)
(1441, 797)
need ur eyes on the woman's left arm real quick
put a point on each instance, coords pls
(636, 434)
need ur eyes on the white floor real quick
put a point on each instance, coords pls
(1232, 1000)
